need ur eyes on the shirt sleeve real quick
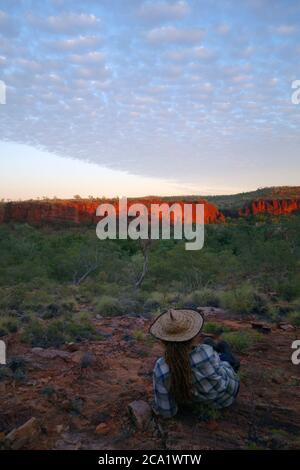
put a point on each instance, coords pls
(164, 402)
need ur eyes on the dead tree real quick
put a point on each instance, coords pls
(145, 246)
(86, 267)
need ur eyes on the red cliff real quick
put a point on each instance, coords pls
(84, 211)
(270, 206)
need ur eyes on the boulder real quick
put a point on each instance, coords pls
(102, 429)
(22, 435)
(51, 353)
(141, 414)
(286, 327)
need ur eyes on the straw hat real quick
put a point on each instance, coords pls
(177, 325)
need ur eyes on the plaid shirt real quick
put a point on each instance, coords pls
(214, 381)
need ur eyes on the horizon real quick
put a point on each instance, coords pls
(78, 197)
(164, 97)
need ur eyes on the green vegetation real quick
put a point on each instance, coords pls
(241, 341)
(236, 201)
(294, 318)
(215, 328)
(108, 306)
(58, 332)
(205, 412)
(50, 294)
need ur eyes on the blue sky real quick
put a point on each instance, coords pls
(148, 97)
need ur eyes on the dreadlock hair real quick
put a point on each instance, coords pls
(177, 356)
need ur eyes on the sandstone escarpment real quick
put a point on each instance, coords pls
(270, 206)
(84, 211)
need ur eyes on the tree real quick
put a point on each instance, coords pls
(145, 246)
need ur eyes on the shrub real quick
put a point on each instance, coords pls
(18, 367)
(108, 306)
(48, 391)
(204, 297)
(8, 325)
(138, 335)
(205, 412)
(57, 333)
(172, 298)
(215, 328)
(240, 300)
(294, 318)
(154, 301)
(241, 341)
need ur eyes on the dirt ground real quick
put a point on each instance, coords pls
(81, 407)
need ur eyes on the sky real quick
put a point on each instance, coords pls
(139, 97)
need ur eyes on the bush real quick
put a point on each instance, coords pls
(205, 412)
(154, 301)
(294, 318)
(8, 325)
(57, 333)
(203, 298)
(240, 300)
(241, 341)
(108, 306)
(139, 335)
(215, 328)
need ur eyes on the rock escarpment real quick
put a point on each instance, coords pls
(270, 206)
(84, 211)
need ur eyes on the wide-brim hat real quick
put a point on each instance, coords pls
(176, 325)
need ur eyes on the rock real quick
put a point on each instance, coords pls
(261, 327)
(212, 425)
(72, 347)
(18, 437)
(270, 206)
(141, 413)
(286, 327)
(82, 211)
(102, 428)
(98, 317)
(50, 353)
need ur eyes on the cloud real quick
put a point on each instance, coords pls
(66, 23)
(286, 29)
(189, 54)
(89, 58)
(152, 87)
(101, 74)
(172, 34)
(75, 43)
(223, 29)
(8, 26)
(163, 11)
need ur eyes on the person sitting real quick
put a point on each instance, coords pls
(191, 372)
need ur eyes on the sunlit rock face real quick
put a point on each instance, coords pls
(270, 206)
(84, 211)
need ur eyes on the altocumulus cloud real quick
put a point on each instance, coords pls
(190, 90)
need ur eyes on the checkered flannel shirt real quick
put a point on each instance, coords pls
(214, 381)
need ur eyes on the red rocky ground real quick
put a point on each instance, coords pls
(87, 408)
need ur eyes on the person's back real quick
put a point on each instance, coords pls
(213, 381)
(189, 373)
